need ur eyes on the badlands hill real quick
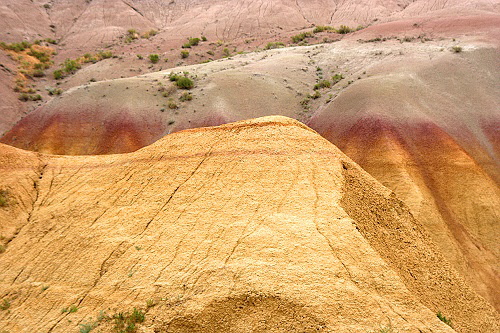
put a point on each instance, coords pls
(259, 225)
(420, 117)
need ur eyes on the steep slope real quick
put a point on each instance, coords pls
(257, 225)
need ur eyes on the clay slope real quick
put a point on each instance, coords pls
(421, 119)
(257, 225)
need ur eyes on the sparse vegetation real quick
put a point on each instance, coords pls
(300, 37)
(344, 29)
(321, 28)
(322, 84)
(4, 198)
(186, 97)
(457, 49)
(184, 54)
(203, 38)
(70, 66)
(150, 33)
(445, 320)
(2, 248)
(54, 91)
(87, 327)
(226, 52)
(126, 322)
(274, 45)
(336, 78)
(154, 58)
(184, 82)
(172, 106)
(24, 97)
(71, 309)
(58, 74)
(5, 304)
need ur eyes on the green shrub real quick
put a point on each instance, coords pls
(139, 56)
(87, 327)
(17, 47)
(51, 41)
(2, 248)
(126, 322)
(184, 82)
(172, 105)
(321, 28)
(186, 97)
(24, 97)
(300, 37)
(274, 45)
(58, 74)
(40, 55)
(344, 29)
(154, 58)
(54, 91)
(203, 38)
(149, 34)
(322, 84)
(194, 41)
(71, 66)
(444, 319)
(457, 49)
(38, 73)
(336, 78)
(5, 304)
(184, 54)
(105, 54)
(4, 195)
(226, 52)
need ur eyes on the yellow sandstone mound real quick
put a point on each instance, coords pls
(255, 226)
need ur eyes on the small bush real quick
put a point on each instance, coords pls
(105, 54)
(274, 45)
(336, 78)
(71, 66)
(321, 28)
(184, 54)
(40, 55)
(149, 34)
(87, 327)
(344, 29)
(154, 58)
(226, 52)
(126, 322)
(5, 304)
(300, 37)
(2, 248)
(444, 319)
(171, 105)
(184, 82)
(54, 91)
(51, 41)
(4, 198)
(203, 38)
(322, 84)
(24, 97)
(58, 74)
(457, 49)
(194, 41)
(186, 97)
(38, 73)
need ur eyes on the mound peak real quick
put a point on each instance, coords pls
(260, 224)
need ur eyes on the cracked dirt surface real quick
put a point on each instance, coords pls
(253, 225)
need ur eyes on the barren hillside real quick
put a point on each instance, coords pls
(257, 225)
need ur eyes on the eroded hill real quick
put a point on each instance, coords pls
(260, 224)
